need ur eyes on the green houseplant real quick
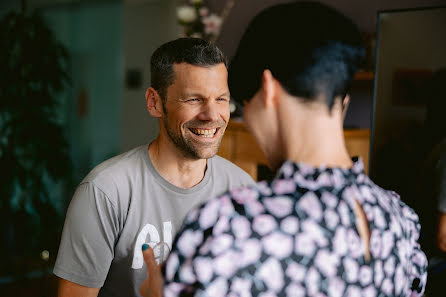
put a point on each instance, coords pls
(34, 159)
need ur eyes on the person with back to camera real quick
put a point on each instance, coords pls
(321, 227)
(142, 196)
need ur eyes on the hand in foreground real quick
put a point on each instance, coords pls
(153, 285)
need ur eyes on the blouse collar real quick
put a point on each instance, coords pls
(320, 176)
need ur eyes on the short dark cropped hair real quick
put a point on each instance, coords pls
(310, 48)
(193, 51)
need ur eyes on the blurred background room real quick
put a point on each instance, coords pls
(74, 74)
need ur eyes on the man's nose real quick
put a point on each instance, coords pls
(209, 112)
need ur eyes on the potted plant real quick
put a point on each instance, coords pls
(34, 159)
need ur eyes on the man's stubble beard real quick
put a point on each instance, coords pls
(185, 146)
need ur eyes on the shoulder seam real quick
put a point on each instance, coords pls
(103, 192)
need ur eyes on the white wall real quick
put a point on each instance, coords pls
(147, 25)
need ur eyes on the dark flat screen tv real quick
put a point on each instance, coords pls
(411, 47)
(409, 110)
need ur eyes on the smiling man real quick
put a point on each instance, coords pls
(142, 196)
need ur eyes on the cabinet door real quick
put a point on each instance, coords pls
(358, 144)
(240, 147)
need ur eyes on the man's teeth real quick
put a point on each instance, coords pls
(204, 132)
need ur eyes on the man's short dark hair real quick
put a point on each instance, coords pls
(193, 51)
(310, 48)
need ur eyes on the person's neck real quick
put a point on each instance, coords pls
(318, 138)
(173, 166)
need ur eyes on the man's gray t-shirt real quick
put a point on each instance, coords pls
(121, 204)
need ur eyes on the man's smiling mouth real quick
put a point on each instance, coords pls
(209, 133)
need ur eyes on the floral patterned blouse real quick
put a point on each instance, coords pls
(297, 236)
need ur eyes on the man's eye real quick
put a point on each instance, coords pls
(192, 99)
(222, 99)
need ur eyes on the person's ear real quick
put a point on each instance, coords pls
(154, 103)
(269, 88)
(345, 104)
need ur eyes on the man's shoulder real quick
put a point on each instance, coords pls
(223, 164)
(227, 168)
(118, 166)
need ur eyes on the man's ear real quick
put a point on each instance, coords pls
(345, 103)
(269, 88)
(154, 103)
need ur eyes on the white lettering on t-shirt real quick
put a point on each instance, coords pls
(150, 230)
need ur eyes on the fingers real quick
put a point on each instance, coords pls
(149, 258)
(148, 255)
(153, 285)
(144, 287)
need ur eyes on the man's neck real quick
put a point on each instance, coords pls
(173, 166)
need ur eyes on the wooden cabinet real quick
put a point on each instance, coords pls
(240, 147)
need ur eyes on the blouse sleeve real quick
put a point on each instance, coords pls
(418, 261)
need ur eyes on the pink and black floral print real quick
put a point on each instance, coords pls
(297, 236)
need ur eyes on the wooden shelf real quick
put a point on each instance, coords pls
(364, 76)
(240, 147)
